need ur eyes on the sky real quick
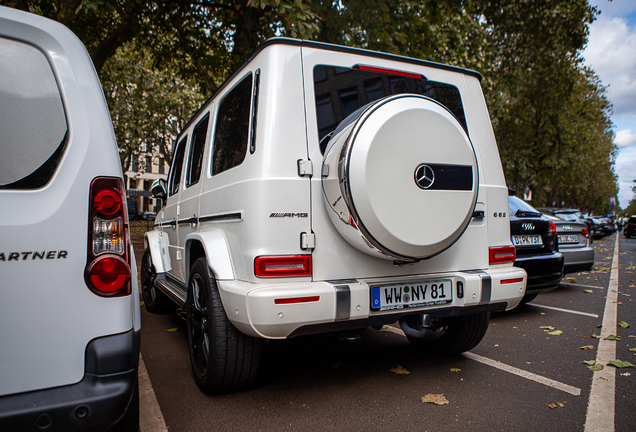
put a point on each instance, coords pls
(611, 52)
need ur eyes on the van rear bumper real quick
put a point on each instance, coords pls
(96, 403)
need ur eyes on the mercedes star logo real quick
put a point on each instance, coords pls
(424, 176)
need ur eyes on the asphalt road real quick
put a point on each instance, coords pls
(507, 383)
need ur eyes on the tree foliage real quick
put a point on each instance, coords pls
(550, 114)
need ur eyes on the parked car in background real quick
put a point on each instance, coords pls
(604, 226)
(535, 238)
(69, 301)
(574, 244)
(630, 227)
(571, 215)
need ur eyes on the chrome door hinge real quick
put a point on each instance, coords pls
(307, 241)
(305, 168)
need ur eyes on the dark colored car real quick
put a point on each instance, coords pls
(535, 239)
(630, 227)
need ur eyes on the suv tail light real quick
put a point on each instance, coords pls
(107, 271)
(552, 226)
(502, 254)
(283, 266)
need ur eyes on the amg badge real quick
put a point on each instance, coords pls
(289, 215)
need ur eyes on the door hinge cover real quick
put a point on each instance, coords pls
(305, 168)
(307, 241)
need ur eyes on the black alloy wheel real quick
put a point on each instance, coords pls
(155, 301)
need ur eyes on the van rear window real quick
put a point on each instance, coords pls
(341, 91)
(33, 125)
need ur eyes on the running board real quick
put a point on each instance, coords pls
(173, 289)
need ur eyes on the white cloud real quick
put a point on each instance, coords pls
(625, 138)
(611, 52)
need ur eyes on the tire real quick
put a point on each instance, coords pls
(155, 300)
(455, 335)
(223, 359)
(528, 298)
(130, 421)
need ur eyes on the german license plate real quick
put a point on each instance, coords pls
(568, 239)
(411, 295)
(526, 240)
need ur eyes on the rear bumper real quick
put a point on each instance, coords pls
(346, 304)
(96, 403)
(544, 271)
(578, 260)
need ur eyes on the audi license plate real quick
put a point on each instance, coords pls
(568, 239)
(411, 295)
(526, 240)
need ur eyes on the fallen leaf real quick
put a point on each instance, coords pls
(588, 291)
(599, 326)
(626, 374)
(141, 303)
(595, 336)
(173, 329)
(587, 347)
(542, 313)
(400, 370)
(385, 329)
(552, 406)
(623, 324)
(620, 364)
(560, 404)
(437, 399)
(555, 333)
(547, 327)
(455, 370)
(620, 303)
(589, 362)
(612, 338)
(632, 349)
(596, 367)
(572, 281)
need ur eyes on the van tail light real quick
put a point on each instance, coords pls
(502, 254)
(282, 266)
(107, 271)
(552, 226)
(585, 233)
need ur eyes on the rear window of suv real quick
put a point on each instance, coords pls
(341, 91)
(33, 125)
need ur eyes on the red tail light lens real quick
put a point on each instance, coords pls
(552, 228)
(283, 266)
(107, 271)
(109, 274)
(502, 254)
(295, 300)
(388, 71)
(585, 233)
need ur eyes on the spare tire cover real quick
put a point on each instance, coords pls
(400, 178)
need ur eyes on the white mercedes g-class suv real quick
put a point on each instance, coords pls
(69, 303)
(325, 189)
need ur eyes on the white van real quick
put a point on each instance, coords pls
(69, 308)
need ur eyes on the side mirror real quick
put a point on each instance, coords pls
(159, 189)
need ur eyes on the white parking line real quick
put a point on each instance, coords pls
(524, 374)
(601, 408)
(581, 285)
(513, 370)
(150, 416)
(563, 310)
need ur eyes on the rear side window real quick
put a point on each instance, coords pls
(33, 125)
(177, 166)
(341, 91)
(232, 127)
(195, 161)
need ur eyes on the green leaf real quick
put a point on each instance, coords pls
(455, 370)
(589, 362)
(588, 291)
(587, 347)
(623, 324)
(555, 333)
(632, 349)
(620, 364)
(547, 328)
(173, 329)
(612, 338)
